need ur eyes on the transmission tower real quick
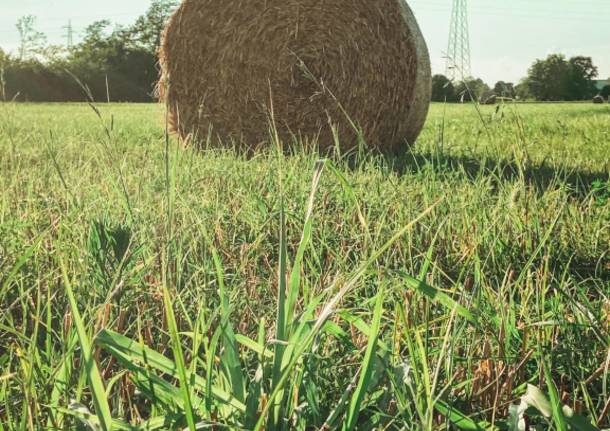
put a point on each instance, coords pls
(69, 35)
(458, 52)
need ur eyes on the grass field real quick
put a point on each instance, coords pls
(144, 286)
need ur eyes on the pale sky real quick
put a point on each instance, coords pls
(506, 35)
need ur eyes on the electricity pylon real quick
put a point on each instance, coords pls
(69, 35)
(458, 52)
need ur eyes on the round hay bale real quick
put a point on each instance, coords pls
(309, 67)
(599, 99)
(491, 100)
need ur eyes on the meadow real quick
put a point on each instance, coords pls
(462, 285)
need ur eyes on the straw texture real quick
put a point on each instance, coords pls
(232, 67)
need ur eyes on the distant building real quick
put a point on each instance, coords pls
(601, 83)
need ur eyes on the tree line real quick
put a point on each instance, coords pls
(119, 63)
(555, 78)
(116, 63)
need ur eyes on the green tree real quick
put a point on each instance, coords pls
(115, 62)
(123, 57)
(582, 73)
(148, 29)
(31, 40)
(112, 65)
(471, 89)
(556, 78)
(3, 63)
(547, 79)
(522, 90)
(605, 92)
(504, 89)
(100, 47)
(442, 89)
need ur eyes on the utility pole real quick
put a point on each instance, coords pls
(458, 51)
(69, 35)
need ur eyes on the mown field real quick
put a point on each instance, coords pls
(465, 284)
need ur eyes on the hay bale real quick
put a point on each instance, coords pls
(599, 99)
(226, 65)
(491, 100)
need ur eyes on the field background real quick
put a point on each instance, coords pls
(517, 232)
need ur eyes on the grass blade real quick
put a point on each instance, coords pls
(576, 422)
(348, 189)
(150, 385)
(94, 377)
(436, 295)
(280, 334)
(231, 361)
(179, 358)
(21, 261)
(113, 341)
(361, 326)
(61, 379)
(556, 410)
(332, 304)
(82, 414)
(253, 345)
(295, 275)
(367, 367)
(457, 418)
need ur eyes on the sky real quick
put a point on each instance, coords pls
(506, 35)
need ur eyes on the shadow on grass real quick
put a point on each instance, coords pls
(541, 177)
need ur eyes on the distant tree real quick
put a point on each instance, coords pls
(504, 89)
(442, 89)
(556, 78)
(522, 91)
(605, 92)
(148, 29)
(108, 56)
(471, 88)
(582, 73)
(547, 79)
(99, 47)
(3, 63)
(124, 57)
(96, 35)
(4, 58)
(31, 40)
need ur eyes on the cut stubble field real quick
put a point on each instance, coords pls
(148, 286)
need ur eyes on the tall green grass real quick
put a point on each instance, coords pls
(465, 284)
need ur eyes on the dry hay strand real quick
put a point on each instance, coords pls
(310, 68)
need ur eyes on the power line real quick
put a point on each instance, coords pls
(519, 11)
(580, 14)
(81, 19)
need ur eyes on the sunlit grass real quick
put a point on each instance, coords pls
(218, 290)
